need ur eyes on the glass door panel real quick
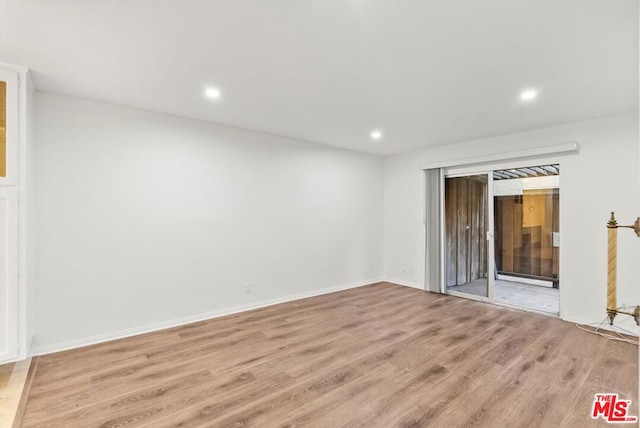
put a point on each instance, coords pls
(467, 226)
(527, 237)
(8, 127)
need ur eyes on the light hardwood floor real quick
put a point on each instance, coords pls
(14, 382)
(376, 356)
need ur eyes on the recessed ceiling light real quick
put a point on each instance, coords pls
(376, 135)
(528, 95)
(212, 93)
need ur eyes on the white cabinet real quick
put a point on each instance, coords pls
(14, 135)
(9, 302)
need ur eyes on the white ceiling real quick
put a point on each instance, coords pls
(425, 72)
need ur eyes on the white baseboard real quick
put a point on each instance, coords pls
(150, 328)
(627, 324)
(404, 283)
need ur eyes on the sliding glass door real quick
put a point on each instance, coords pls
(517, 264)
(468, 236)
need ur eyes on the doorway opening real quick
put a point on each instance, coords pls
(502, 237)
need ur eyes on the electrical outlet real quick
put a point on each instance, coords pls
(404, 271)
(410, 271)
(247, 287)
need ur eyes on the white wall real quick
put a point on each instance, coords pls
(144, 219)
(603, 177)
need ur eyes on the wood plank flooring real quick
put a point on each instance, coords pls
(376, 356)
(15, 381)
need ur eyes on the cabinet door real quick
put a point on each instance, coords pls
(9, 133)
(8, 274)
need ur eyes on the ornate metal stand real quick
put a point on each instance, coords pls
(612, 267)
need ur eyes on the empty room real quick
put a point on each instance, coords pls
(219, 213)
